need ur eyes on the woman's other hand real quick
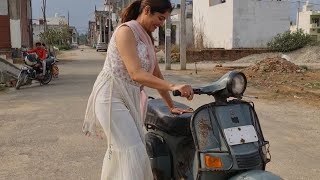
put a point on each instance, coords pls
(180, 111)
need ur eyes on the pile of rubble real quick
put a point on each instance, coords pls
(276, 65)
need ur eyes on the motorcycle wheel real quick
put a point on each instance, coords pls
(47, 78)
(21, 78)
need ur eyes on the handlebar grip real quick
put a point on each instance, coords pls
(176, 93)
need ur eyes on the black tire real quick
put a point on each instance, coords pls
(21, 78)
(47, 78)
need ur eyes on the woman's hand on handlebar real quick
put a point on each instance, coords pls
(185, 90)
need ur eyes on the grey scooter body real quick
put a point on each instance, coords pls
(178, 145)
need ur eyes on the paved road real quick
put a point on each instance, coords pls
(40, 128)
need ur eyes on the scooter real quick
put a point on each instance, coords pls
(220, 140)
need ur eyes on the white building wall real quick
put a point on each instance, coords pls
(3, 7)
(189, 29)
(155, 35)
(15, 31)
(213, 25)
(37, 29)
(305, 21)
(189, 32)
(239, 23)
(257, 22)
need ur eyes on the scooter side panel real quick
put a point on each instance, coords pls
(159, 156)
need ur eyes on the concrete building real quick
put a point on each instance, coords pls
(309, 21)
(233, 24)
(175, 19)
(159, 34)
(55, 22)
(57, 19)
(102, 25)
(75, 35)
(15, 26)
(91, 34)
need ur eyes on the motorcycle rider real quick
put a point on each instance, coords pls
(50, 55)
(47, 52)
(42, 54)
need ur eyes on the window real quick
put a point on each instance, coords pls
(318, 30)
(316, 21)
(189, 15)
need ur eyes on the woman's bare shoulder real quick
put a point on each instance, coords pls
(124, 32)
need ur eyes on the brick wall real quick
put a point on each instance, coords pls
(221, 54)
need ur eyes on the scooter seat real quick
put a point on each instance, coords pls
(159, 117)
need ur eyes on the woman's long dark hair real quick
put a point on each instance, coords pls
(135, 8)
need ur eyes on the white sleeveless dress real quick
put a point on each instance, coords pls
(115, 105)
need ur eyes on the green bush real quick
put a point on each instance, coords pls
(64, 47)
(290, 41)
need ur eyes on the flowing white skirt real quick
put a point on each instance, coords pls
(116, 106)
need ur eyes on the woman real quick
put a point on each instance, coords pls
(118, 101)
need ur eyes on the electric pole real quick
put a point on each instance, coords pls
(122, 5)
(44, 8)
(183, 43)
(168, 43)
(68, 19)
(298, 15)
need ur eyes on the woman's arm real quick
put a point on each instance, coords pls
(163, 93)
(126, 45)
(166, 96)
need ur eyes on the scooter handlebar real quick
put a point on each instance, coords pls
(178, 93)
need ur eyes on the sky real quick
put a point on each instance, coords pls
(81, 11)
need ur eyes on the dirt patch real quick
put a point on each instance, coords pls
(279, 78)
(273, 65)
(309, 54)
(257, 57)
(272, 78)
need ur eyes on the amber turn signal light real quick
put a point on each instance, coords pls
(213, 162)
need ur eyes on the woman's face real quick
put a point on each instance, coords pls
(154, 20)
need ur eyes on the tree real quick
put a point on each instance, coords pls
(65, 34)
(83, 39)
(51, 36)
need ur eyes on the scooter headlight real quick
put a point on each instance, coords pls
(237, 84)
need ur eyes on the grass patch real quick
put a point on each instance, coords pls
(313, 85)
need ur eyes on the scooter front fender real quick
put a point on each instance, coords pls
(256, 175)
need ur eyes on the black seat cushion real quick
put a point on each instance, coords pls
(160, 117)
